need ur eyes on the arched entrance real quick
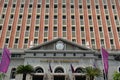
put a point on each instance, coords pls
(80, 74)
(59, 74)
(39, 74)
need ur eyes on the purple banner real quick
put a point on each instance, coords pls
(105, 60)
(5, 61)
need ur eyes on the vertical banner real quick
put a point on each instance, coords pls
(5, 61)
(105, 54)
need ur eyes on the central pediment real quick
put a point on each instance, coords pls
(59, 44)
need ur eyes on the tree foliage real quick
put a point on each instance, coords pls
(91, 72)
(24, 69)
(116, 76)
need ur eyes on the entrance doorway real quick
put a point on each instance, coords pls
(37, 77)
(59, 77)
(80, 77)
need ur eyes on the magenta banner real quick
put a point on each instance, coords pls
(105, 60)
(5, 61)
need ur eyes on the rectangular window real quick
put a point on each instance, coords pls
(64, 28)
(27, 28)
(18, 28)
(16, 40)
(0, 27)
(83, 41)
(111, 41)
(35, 41)
(26, 41)
(9, 27)
(80, 6)
(5, 5)
(7, 40)
(45, 28)
(22, 5)
(82, 28)
(37, 28)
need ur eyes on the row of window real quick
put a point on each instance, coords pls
(63, 6)
(55, 28)
(36, 41)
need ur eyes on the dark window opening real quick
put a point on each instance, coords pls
(88, 6)
(44, 54)
(47, 5)
(16, 40)
(26, 41)
(30, 6)
(55, 28)
(46, 16)
(64, 6)
(64, 28)
(80, 6)
(72, 17)
(37, 28)
(46, 28)
(72, 6)
(18, 28)
(97, 7)
(9, 28)
(37, 16)
(105, 6)
(38, 6)
(20, 16)
(64, 54)
(64, 17)
(74, 54)
(0, 27)
(115, 17)
(98, 17)
(11, 16)
(100, 28)
(54, 54)
(34, 54)
(107, 17)
(73, 28)
(29, 16)
(13, 5)
(7, 40)
(55, 6)
(27, 28)
(55, 16)
(5, 5)
(81, 17)
(82, 28)
(22, 5)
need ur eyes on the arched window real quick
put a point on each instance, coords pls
(119, 69)
(80, 70)
(59, 70)
(39, 70)
(12, 75)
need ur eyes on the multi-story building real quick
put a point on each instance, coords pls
(80, 23)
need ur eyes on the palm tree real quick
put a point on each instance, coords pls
(92, 72)
(24, 69)
(116, 76)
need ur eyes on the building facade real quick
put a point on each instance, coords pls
(96, 22)
(56, 60)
